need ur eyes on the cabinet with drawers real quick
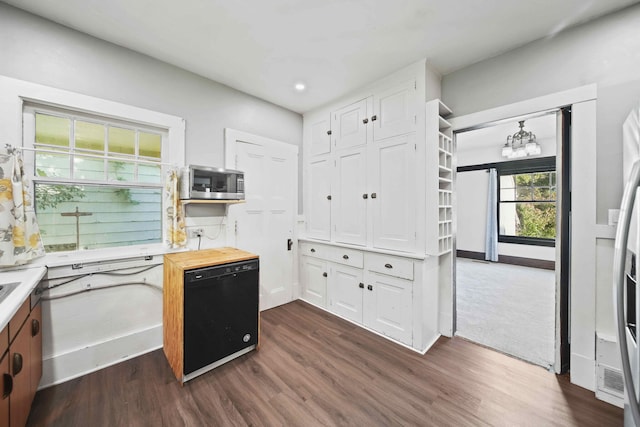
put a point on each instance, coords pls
(394, 296)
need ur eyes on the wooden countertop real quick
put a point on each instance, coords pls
(208, 257)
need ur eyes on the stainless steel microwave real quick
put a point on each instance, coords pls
(203, 182)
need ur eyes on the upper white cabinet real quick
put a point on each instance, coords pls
(395, 110)
(392, 198)
(377, 162)
(349, 199)
(318, 197)
(320, 136)
(349, 125)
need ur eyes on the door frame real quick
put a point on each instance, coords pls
(582, 235)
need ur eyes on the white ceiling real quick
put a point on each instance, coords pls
(263, 47)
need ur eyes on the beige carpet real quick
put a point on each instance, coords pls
(509, 308)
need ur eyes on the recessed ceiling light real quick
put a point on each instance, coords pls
(300, 86)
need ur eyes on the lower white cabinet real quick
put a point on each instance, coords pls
(371, 289)
(389, 306)
(346, 292)
(313, 276)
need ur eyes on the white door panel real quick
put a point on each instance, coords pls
(345, 292)
(318, 205)
(266, 221)
(313, 277)
(320, 138)
(395, 110)
(393, 180)
(349, 208)
(388, 302)
(348, 127)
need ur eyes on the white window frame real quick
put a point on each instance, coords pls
(15, 93)
(28, 119)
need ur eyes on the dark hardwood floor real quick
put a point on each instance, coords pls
(316, 369)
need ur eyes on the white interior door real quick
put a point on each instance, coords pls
(266, 222)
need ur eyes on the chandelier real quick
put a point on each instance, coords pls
(521, 144)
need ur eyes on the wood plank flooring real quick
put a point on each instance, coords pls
(314, 369)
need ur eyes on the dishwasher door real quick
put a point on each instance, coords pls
(220, 312)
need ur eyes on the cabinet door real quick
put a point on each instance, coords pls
(19, 363)
(35, 323)
(395, 110)
(345, 292)
(314, 280)
(318, 210)
(5, 386)
(349, 207)
(392, 183)
(349, 126)
(320, 136)
(388, 306)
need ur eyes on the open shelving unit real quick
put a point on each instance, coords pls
(445, 181)
(440, 227)
(440, 149)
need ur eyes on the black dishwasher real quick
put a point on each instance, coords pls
(220, 314)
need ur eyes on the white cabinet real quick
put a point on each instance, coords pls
(348, 204)
(371, 289)
(349, 125)
(395, 110)
(313, 276)
(392, 198)
(320, 138)
(372, 159)
(318, 197)
(388, 302)
(346, 292)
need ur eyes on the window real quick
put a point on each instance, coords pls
(527, 202)
(98, 181)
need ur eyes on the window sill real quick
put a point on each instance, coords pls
(532, 241)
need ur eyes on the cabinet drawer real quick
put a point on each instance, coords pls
(316, 250)
(18, 319)
(351, 257)
(390, 265)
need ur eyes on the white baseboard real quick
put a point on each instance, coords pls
(583, 371)
(76, 363)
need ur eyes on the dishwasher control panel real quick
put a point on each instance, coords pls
(192, 276)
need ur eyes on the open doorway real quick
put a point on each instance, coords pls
(509, 229)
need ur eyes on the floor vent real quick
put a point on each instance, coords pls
(610, 382)
(613, 381)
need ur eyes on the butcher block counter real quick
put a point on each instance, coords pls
(187, 273)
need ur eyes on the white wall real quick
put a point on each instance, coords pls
(605, 52)
(106, 326)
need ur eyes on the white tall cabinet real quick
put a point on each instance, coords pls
(368, 208)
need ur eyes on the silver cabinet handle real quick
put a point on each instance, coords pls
(622, 238)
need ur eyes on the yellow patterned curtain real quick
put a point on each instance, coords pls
(174, 227)
(20, 240)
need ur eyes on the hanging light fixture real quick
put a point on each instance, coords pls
(521, 144)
